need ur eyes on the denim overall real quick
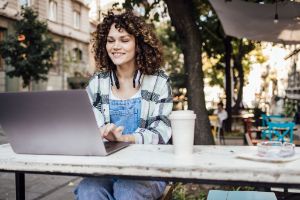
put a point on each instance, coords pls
(122, 113)
(126, 113)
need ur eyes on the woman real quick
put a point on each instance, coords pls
(131, 98)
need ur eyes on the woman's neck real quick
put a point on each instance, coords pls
(125, 72)
(125, 77)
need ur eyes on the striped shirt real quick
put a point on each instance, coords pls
(157, 103)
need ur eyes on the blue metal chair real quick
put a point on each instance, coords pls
(280, 130)
(265, 121)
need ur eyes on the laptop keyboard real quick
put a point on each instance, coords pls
(111, 146)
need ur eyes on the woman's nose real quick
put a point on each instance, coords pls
(116, 45)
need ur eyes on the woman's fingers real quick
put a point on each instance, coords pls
(106, 129)
(110, 128)
(111, 132)
(117, 132)
(119, 129)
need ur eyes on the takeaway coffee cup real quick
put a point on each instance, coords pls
(183, 125)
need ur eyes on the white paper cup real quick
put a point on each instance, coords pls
(183, 125)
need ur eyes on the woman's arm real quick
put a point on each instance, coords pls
(157, 129)
(94, 96)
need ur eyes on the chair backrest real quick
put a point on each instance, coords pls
(248, 130)
(281, 130)
(248, 126)
(282, 119)
(267, 118)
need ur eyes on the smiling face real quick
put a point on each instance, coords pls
(120, 46)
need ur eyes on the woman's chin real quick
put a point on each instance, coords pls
(118, 62)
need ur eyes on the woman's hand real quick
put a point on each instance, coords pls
(111, 132)
(114, 134)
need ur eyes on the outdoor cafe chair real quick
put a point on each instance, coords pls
(281, 130)
(217, 132)
(265, 121)
(251, 132)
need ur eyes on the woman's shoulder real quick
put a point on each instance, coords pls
(156, 82)
(161, 73)
(94, 80)
(99, 75)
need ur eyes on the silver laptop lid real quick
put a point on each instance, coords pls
(50, 122)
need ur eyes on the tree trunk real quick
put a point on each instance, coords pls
(239, 67)
(228, 52)
(181, 13)
(30, 86)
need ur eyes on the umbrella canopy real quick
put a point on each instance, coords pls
(255, 21)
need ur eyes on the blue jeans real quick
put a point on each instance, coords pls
(118, 189)
(122, 113)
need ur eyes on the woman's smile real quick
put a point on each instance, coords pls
(117, 54)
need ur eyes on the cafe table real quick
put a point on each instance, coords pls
(209, 164)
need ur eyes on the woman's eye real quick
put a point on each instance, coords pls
(110, 41)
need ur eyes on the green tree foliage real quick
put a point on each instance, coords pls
(148, 7)
(173, 57)
(213, 45)
(173, 62)
(29, 50)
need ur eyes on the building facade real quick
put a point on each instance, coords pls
(68, 24)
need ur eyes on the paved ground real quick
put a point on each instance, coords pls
(39, 187)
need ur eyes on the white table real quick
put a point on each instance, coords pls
(209, 164)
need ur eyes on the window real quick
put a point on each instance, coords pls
(76, 19)
(55, 62)
(77, 55)
(25, 2)
(52, 10)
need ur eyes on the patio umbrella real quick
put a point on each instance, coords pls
(255, 21)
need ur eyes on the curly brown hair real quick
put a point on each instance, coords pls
(148, 48)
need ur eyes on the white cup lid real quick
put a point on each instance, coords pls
(182, 114)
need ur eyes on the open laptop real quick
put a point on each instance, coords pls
(53, 123)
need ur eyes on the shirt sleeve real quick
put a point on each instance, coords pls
(158, 130)
(93, 94)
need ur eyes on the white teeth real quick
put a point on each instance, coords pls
(117, 54)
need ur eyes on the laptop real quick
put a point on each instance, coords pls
(53, 123)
